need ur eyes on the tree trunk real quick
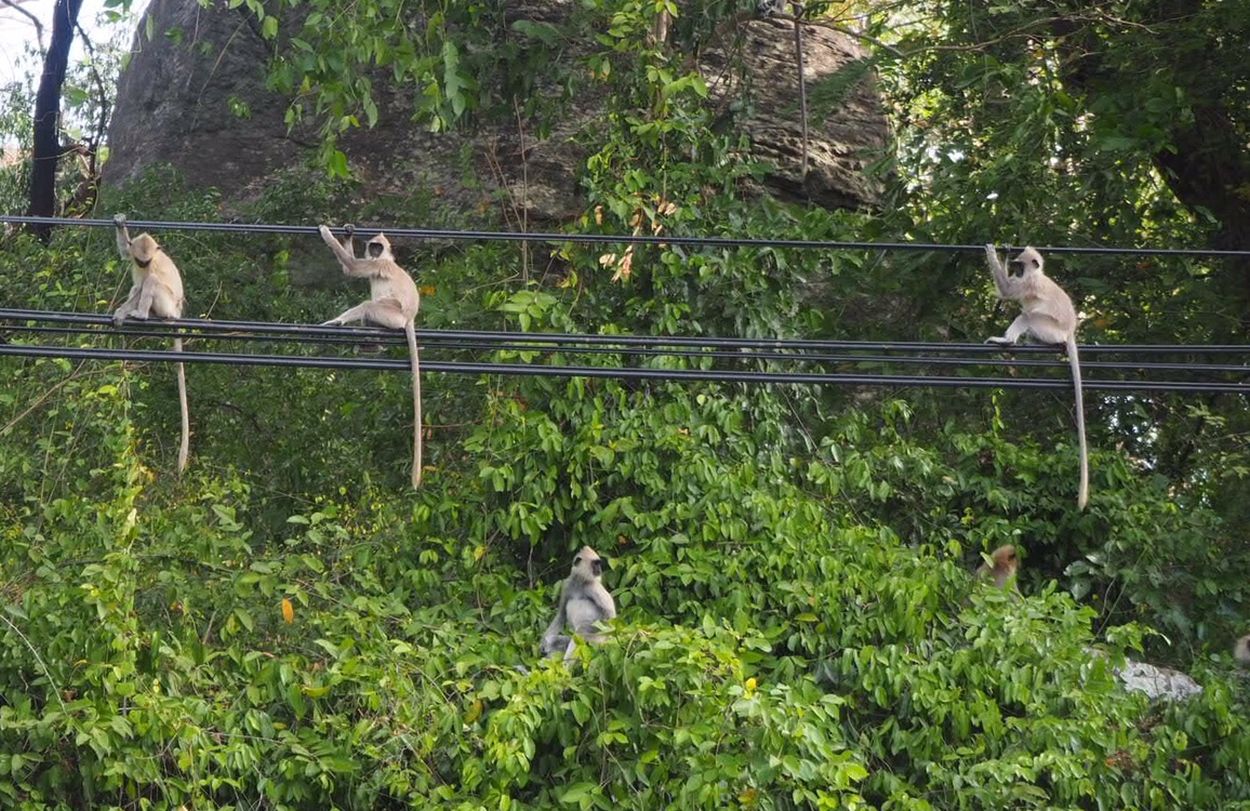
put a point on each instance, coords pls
(47, 115)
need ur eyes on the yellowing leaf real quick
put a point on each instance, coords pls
(288, 611)
(625, 266)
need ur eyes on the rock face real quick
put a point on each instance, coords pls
(178, 98)
(174, 101)
(843, 137)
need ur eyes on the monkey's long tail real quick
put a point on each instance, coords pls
(1082, 497)
(185, 448)
(411, 332)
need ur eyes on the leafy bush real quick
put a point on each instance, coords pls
(777, 646)
(289, 627)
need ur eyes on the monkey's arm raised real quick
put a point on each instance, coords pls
(128, 306)
(123, 237)
(347, 259)
(1006, 286)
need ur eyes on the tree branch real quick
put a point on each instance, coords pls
(33, 19)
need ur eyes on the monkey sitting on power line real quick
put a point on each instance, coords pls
(393, 303)
(583, 603)
(157, 290)
(1001, 568)
(1049, 317)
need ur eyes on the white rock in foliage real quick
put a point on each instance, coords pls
(1157, 682)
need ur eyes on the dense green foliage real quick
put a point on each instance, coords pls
(288, 626)
(777, 646)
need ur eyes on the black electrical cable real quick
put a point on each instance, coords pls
(155, 331)
(634, 239)
(618, 373)
(711, 354)
(383, 336)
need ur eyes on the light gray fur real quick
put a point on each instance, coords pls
(156, 291)
(1047, 317)
(584, 603)
(394, 302)
(1241, 651)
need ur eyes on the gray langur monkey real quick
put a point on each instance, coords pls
(157, 291)
(1241, 651)
(583, 603)
(1048, 317)
(393, 303)
(1002, 567)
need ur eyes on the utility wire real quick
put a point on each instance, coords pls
(632, 239)
(646, 347)
(378, 335)
(438, 344)
(617, 373)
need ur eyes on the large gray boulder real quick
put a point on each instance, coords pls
(842, 141)
(178, 102)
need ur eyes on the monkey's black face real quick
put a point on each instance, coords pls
(596, 566)
(375, 249)
(143, 263)
(1015, 268)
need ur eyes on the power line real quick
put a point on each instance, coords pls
(645, 349)
(632, 239)
(376, 335)
(617, 373)
(437, 344)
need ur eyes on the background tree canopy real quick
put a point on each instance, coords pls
(289, 626)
